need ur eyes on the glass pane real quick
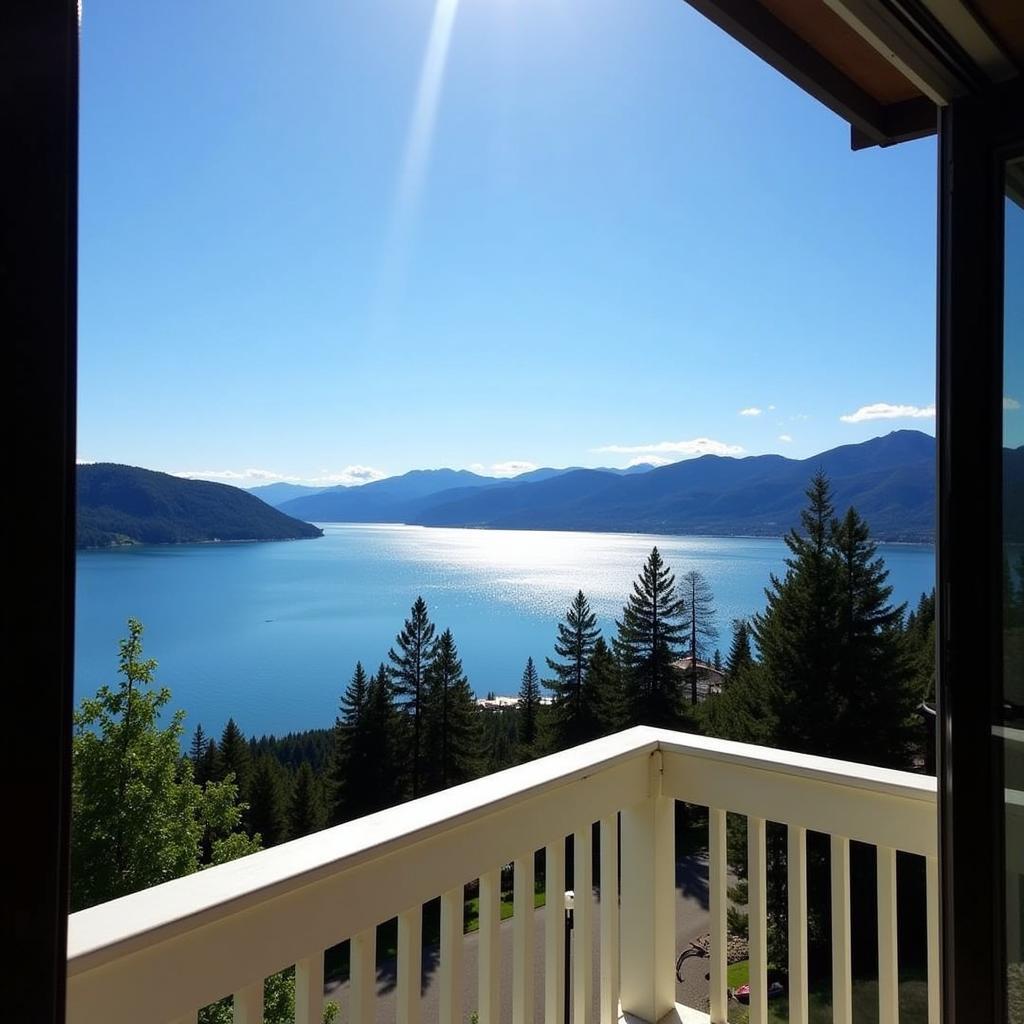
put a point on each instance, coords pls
(1013, 589)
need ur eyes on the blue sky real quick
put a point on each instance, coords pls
(317, 245)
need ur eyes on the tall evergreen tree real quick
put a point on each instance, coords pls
(573, 718)
(650, 633)
(739, 651)
(197, 750)
(874, 678)
(351, 753)
(603, 686)
(528, 708)
(235, 757)
(451, 722)
(209, 769)
(385, 734)
(409, 666)
(305, 809)
(267, 816)
(799, 635)
(700, 613)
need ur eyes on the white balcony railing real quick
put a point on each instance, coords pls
(160, 954)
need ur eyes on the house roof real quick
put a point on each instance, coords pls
(885, 66)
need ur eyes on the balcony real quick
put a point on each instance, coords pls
(161, 954)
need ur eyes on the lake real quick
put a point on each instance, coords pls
(269, 633)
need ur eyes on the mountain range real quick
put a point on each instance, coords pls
(890, 479)
(120, 505)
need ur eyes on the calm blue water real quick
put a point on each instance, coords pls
(269, 633)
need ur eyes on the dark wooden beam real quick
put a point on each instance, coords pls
(753, 25)
(38, 274)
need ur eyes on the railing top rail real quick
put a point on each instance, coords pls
(888, 781)
(104, 932)
(101, 934)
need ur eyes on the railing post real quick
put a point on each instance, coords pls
(489, 964)
(757, 918)
(363, 974)
(609, 920)
(247, 1004)
(718, 902)
(410, 965)
(797, 899)
(522, 940)
(647, 942)
(582, 941)
(554, 932)
(309, 989)
(888, 962)
(452, 909)
(842, 983)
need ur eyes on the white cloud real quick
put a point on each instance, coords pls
(350, 476)
(513, 467)
(241, 476)
(786, 438)
(1010, 404)
(649, 460)
(753, 410)
(698, 446)
(885, 411)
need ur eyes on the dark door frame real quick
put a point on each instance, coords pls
(38, 274)
(976, 134)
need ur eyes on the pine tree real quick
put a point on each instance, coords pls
(210, 767)
(235, 757)
(384, 735)
(268, 805)
(798, 634)
(739, 652)
(451, 726)
(197, 750)
(603, 687)
(350, 754)
(305, 809)
(573, 720)
(874, 678)
(650, 633)
(717, 661)
(700, 612)
(528, 708)
(409, 667)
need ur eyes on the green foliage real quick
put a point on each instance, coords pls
(306, 811)
(234, 757)
(361, 776)
(650, 633)
(451, 726)
(740, 654)
(268, 801)
(499, 740)
(700, 614)
(410, 664)
(838, 679)
(528, 709)
(575, 714)
(138, 815)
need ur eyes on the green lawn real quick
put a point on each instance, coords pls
(472, 918)
(913, 1001)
